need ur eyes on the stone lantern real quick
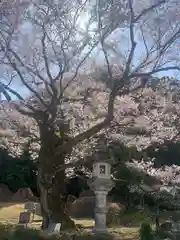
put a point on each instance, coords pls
(101, 184)
(173, 190)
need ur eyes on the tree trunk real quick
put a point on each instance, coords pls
(57, 203)
(44, 213)
(53, 204)
(52, 188)
(157, 223)
(43, 200)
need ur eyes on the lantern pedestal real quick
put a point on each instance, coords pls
(176, 229)
(100, 187)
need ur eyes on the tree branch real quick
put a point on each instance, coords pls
(133, 43)
(24, 112)
(45, 56)
(93, 130)
(28, 68)
(149, 9)
(5, 93)
(15, 93)
(14, 66)
(147, 74)
(76, 72)
(102, 39)
(169, 42)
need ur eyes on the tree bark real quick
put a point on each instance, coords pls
(53, 203)
(52, 188)
(57, 203)
(43, 200)
(44, 212)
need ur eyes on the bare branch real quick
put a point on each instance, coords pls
(28, 68)
(23, 80)
(158, 52)
(24, 112)
(149, 9)
(102, 39)
(5, 93)
(6, 88)
(45, 57)
(168, 43)
(81, 99)
(147, 74)
(77, 70)
(133, 43)
(93, 130)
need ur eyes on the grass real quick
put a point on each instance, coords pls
(9, 215)
(8, 232)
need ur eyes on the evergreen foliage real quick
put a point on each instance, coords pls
(146, 231)
(17, 172)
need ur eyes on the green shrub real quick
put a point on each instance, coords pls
(104, 237)
(137, 131)
(134, 218)
(114, 214)
(26, 234)
(89, 236)
(5, 232)
(146, 231)
(9, 232)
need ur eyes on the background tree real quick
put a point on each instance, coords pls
(18, 172)
(167, 153)
(63, 104)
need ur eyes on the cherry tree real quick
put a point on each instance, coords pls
(49, 57)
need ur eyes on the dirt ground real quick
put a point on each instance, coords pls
(9, 214)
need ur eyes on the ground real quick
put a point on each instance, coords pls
(9, 214)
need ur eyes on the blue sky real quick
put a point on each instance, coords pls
(139, 51)
(123, 43)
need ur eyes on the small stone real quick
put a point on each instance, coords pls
(166, 226)
(54, 228)
(20, 226)
(24, 217)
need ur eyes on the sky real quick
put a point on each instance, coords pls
(139, 51)
(122, 42)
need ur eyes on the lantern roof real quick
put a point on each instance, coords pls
(101, 154)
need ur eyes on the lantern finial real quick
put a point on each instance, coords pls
(101, 152)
